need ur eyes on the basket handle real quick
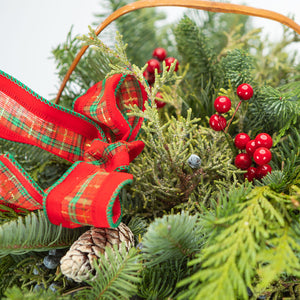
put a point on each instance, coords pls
(197, 4)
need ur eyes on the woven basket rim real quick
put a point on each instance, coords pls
(195, 4)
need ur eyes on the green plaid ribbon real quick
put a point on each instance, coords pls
(97, 136)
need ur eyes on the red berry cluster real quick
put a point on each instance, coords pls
(257, 149)
(222, 105)
(158, 56)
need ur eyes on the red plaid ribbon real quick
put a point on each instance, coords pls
(97, 136)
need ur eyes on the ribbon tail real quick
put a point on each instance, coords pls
(26, 117)
(86, 195)
(17, 189)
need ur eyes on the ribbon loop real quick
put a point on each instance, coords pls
(108, 103)
(97, 137)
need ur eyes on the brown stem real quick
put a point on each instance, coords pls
(236, 109)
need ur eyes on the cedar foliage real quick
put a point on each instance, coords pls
(200, 234)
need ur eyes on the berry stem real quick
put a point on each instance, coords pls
(236, 109)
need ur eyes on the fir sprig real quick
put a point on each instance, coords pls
(16, 293)
(155, 286)
(273, 111)
(117, 275)
(123, 65)
(180, 234)
(34, 233)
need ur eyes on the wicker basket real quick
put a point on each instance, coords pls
(196, 4)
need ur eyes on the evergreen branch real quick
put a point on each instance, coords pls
(273, 111)
(117, 275)
(237, 65)
(180, 234)
(233, 249)
(34, 233)
(163, 178)
(236, 40)
(194, 49)
(139, 30)
(44, 167)
(16, 293)
(155, 286)
(120, 52)
(92, 68)
(280, 257)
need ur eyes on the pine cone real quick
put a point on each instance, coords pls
(78, 261)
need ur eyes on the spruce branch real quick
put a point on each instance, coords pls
(237, 65)
(180, 234)
(117, 275)
(155, 286)
(273, 111)
(34, 233)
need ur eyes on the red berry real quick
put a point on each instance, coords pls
(217, 122)
(263, 170)
(159, 53)
(251, 147)
(169, 61)
(222, 104)
(250, 174)
(244, 91)
(262, 155)
(152, 65)
(243, 161)
(241, 140)
(159, 104)
(264, 140)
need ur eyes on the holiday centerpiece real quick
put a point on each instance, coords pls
(167, 167)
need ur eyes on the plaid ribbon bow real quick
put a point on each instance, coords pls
(97, 136)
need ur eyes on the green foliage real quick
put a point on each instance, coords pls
(117, 275)
(159, 281)
(273, 111)
(34, 233)
(195, 51)
(202, 61)
(180, 234)
(237, 66)
(143, 36)
(16, 293)
(275, 64)
(6, 265)
(211, 235)
(91, 68)
(225, 32)
(257, 234)
(164, 180)
(44, 167)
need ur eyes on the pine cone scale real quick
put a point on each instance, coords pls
(78, 261)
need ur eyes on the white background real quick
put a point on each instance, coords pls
(30, 29)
